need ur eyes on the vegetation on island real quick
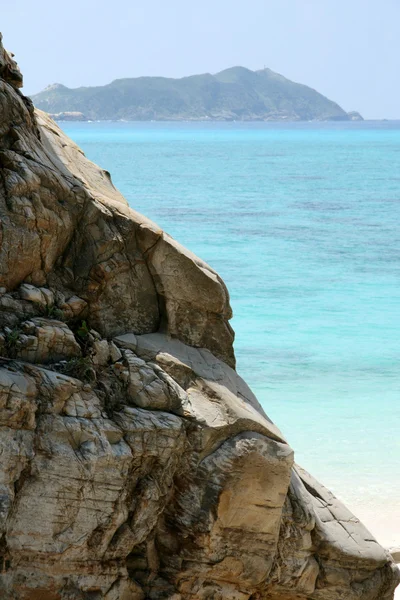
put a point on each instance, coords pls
(234, 94)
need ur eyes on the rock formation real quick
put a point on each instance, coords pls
(135, 462)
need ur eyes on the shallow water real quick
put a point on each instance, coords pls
(302, 222)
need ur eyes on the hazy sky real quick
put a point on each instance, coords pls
(348, 50)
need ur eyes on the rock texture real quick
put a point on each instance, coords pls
(135, 462)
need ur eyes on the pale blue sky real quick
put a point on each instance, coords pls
(348, 50)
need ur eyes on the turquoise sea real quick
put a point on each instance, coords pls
(303, 223)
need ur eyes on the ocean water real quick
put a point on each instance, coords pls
(303, 223)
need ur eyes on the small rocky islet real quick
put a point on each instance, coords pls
(135, 462)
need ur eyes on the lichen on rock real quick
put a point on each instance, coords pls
(136, 463)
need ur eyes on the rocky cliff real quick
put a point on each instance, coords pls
(135, 462)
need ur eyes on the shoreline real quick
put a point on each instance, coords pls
(241, 121)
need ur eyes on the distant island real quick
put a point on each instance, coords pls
(236, 94)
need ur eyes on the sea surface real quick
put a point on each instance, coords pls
(303, 223)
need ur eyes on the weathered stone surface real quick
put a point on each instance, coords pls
(135, 462)
(32, 293)
(134, 276)
(115, 352)
(100, 353)
(9, 70)
(45, 340)
(17, 399)
(74, 306)
(147, 385)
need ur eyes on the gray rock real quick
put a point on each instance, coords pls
(100, 353)
(32, 293)
(48, 296)
(115, 352)
(46, 340)
(74, 306)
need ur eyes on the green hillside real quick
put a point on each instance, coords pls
(233, 94)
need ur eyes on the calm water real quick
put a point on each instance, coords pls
(303, 223)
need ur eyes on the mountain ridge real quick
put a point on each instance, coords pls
(234, 94)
